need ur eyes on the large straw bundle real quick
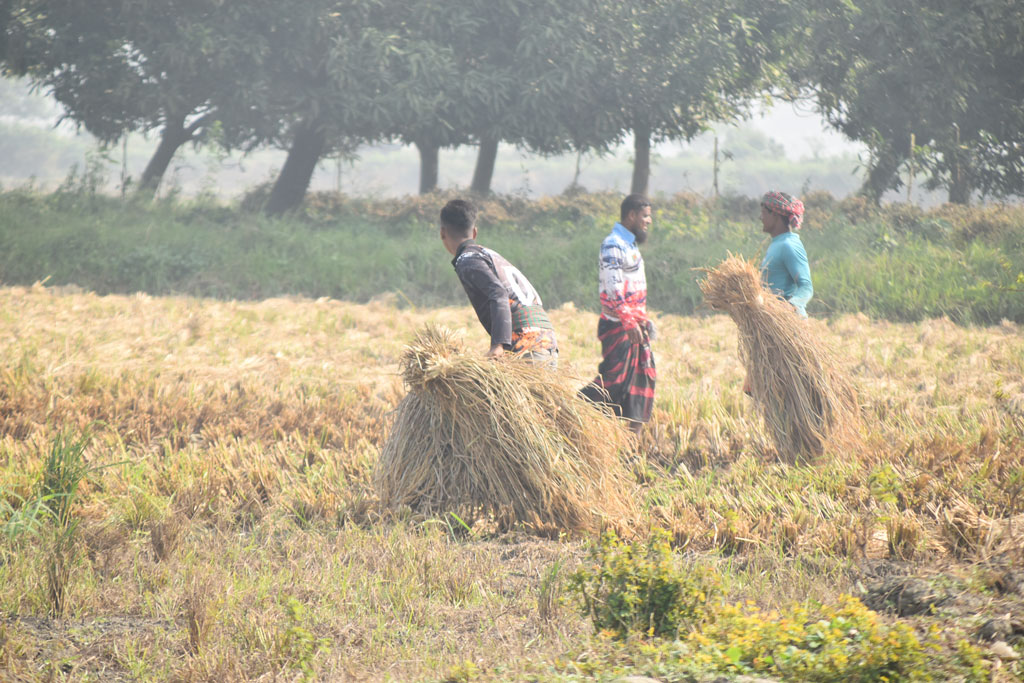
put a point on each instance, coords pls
(500, 436)
(806, 399)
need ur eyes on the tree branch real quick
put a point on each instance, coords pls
(193, 128)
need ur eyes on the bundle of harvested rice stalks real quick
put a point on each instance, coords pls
(504, 437)
(807, 401)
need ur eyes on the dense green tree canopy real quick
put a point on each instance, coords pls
(117, 66)
(671, 67)
(512, 61)
(326, 75)
(323, 76)
(945, 71)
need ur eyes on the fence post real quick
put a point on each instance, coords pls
(956, 153)
(910, 180)
(124, 166)
(715, 169)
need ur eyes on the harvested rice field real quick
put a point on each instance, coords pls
(187, 494)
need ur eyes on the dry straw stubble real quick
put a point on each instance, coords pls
(807, 400)
(504, 437)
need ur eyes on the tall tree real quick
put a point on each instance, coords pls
(6, 12)
(443, 121)
(943, 71)
(331, 74)
(674, 66)
(290, 101)
(118, 67)
(501, 84)
(570, 85)
(505, 65)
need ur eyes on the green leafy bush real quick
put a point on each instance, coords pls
(642, 588)
(833, 643)
(843, 642)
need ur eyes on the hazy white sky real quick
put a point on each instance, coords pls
(802, 131)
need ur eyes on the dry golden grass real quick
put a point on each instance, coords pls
(506, 437)
(245, 437)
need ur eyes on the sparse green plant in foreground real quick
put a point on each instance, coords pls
(551, 586)
(296, 647)
(63, 471)
(22, 517)
(641, 587)
(463, 672)
(199, 611)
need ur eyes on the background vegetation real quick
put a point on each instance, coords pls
(898, 262)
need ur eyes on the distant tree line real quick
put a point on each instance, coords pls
(933, 83)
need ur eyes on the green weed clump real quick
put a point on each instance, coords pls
(63, 472)
(827, 643)
(842, 642)
(296, 647)
(642, 588)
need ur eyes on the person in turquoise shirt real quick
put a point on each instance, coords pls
(784, 268)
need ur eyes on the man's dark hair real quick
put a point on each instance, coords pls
(634, 202)
(458, 217)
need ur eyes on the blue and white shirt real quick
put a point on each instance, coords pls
(622, 281)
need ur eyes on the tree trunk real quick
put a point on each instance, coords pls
(641, 159)
(428, 166)
(290, 187)
(484, 171)
(882, 175)
(173, 136)
(959, 177)
(959, 191)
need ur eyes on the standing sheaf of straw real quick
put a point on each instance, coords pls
(477, 435)
(807, 401)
